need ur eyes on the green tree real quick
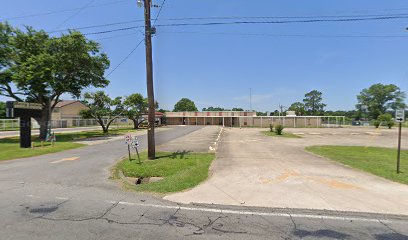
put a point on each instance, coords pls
(237, 109)
(185, 105)
(378, 98)
(313, 103)
(298, 107)
(215, 109)
(36, 67)
(102, 108)
(2, 110)
(136, 105)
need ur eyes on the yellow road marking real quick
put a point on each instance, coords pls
(66, 159)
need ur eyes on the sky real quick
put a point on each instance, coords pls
(217, 65)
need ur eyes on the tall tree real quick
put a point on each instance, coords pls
(36, 67)
(2, 110)
(136, 105)
(379, 98)
(313, 103)
(102, 108)
(185, 105)
(299, 108)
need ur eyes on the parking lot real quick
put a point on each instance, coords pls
(252, 169)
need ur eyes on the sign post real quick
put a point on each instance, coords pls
(135, 145)
(399, 118)
(25, 111)
(128, 141)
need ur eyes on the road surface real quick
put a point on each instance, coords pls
(68, 195)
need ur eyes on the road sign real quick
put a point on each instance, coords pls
(400, 115)
(128, 139)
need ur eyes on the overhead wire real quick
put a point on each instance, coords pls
(60, 11)
(75, 14)
(125, 58)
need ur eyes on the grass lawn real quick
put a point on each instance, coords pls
(10, 147)
(284, 134)
(179, 170)
(379, 161)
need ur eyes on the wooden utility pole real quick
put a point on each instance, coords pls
(151, 152)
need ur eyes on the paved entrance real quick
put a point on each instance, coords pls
(254, 170)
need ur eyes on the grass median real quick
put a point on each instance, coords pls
(375, 160)
(180, 170)
(284, 134)
(10, 147)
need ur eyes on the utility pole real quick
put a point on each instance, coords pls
(151, 152)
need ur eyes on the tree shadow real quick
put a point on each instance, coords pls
(391, 236)
(175, 155)
(323, 233)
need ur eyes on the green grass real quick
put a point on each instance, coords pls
(375, 160)
(284, 134)
(10, 147)
(180, 170)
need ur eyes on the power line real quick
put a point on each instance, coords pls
(285, 21)
(287, 35)
(243, 22)
(230, 18)
(125, 58)
(61, 11)
(75, 14)
(158, 14)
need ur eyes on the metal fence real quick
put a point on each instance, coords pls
(9, 124)
(13, 124)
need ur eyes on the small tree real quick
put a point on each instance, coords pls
(279, 129)
(102, 107)
(185, 105)
(298, 107)
(135, 106)
(2, 110)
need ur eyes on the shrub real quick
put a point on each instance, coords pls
(271, 127)
(377, 123)
(390, 124)
(386, 117)
(279, 129)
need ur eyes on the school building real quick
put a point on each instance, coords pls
(250, 119)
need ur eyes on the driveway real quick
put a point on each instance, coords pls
(254, 170)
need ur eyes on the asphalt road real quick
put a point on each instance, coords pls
(68, 195)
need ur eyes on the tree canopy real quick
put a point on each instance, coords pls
(135, 105)
(313, 103)
(379, 98)
(185, 105)
(299, 108)
(36, 67)
(102, 108)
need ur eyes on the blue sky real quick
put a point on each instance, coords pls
(217, 65)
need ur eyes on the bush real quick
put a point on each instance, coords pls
(386, 117)
(271, 127)
(279, 129)
(377, 123)
(390, 124)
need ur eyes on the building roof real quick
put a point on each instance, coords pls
(64, 103)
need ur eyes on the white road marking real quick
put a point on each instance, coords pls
(269, 214)
(213, 148)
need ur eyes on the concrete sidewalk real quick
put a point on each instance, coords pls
(254, 170)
